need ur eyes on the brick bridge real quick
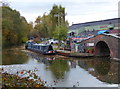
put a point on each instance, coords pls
(105, 45)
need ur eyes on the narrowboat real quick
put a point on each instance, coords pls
(45, 49)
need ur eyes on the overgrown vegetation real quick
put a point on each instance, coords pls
(15, 28)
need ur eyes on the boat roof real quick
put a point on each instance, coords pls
(41, 44)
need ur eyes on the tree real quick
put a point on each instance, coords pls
(38, 20)
(48, 25)
(59, 23)
(57, 16)
(43, 25)
(15, 28)
(60, 32)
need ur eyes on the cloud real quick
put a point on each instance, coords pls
(30, 16)
(77, 11)
(91, 17)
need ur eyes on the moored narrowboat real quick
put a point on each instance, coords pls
(41, 48)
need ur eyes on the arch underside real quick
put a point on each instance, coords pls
(102, 49)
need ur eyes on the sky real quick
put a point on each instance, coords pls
(77, 11)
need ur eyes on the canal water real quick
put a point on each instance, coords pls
(59, 71)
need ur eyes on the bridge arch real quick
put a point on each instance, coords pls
(102, 49)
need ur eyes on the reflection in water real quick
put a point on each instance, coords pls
(10, 57)
(73, 63)
(103, 69)
(107, 71)
(59, 68)
(102, 66)
(63, 68)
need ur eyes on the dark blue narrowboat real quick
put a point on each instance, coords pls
(41, 48)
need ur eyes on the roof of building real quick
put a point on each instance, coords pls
(101, 22)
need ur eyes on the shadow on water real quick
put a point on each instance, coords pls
(107, 70)
(102, 68)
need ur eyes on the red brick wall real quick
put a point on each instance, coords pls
(112, 42)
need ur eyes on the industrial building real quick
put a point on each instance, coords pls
(92, 28)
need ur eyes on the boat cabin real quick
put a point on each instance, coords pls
(41, 48)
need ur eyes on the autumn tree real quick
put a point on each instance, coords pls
(42, 25)
(15, 28)
(51, 25)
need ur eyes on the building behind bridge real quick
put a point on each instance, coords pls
(85, 38)
(92, 28)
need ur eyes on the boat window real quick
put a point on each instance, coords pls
(34, 47)
(50, 48)
(38, 47)
(44, 48)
